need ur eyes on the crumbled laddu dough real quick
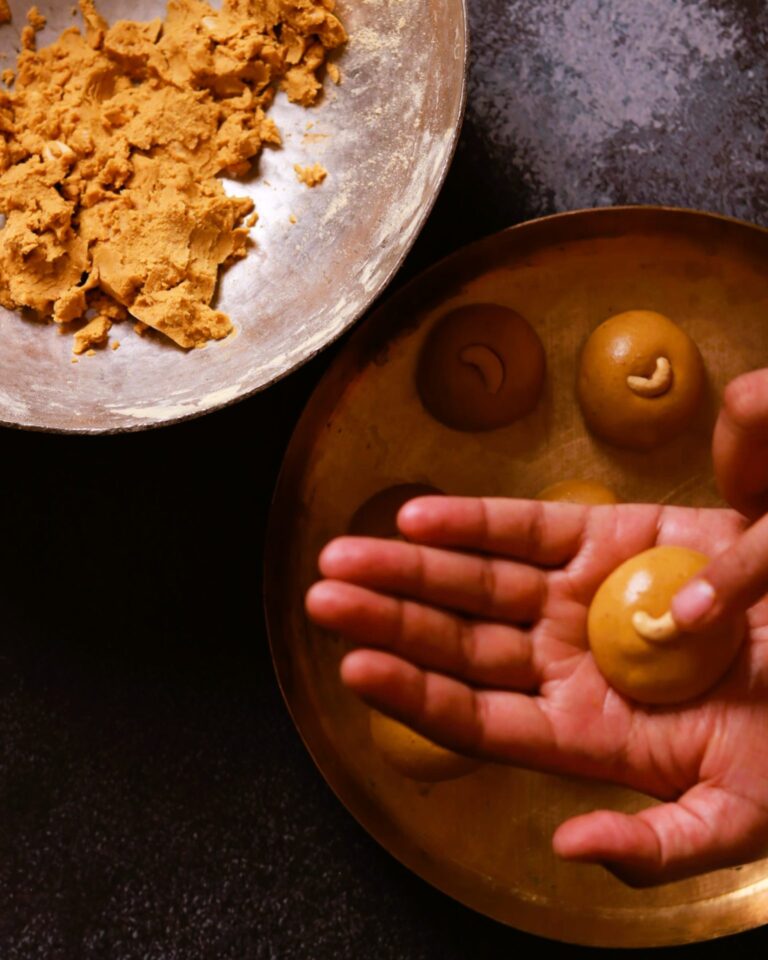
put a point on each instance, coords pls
(35, 19)
(5, 12)
(94, 334)
(8, 76)
(35, 23)
(311, 176)
(111, 144)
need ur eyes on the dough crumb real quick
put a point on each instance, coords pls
(90, 353)
(252, 220)
(93, 334)
(116, 345)
(311, 176)
(35, 19)
(5, 12)
(35, 23)
(112, 145)
(292, 218)
(8, 76)
(334, 73)
(140, 328)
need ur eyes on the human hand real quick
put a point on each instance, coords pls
(475, 635)
(740, 444)
(739, 576)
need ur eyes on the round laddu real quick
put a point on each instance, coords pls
(377, 516)
(413, 756)
(589, 492)
(635, 642)
(641, 380)
(481, 367)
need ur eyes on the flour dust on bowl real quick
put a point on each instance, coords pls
(318, 254)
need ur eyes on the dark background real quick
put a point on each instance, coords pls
(155, 800)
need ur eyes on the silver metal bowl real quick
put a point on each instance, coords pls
(386, 136)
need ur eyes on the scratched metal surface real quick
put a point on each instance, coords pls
(601, 102)
(390, 132)
(581, 103)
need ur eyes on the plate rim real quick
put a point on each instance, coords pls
(528, 916)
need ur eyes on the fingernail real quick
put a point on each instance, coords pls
(693, 603)
(409, 513)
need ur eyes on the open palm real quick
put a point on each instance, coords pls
(474, 634)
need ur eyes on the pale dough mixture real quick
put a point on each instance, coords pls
(110, 145)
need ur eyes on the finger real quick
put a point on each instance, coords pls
(731, 583)
(536, 532)
(705, 830)
(478, 586)
(482, 653)
(499, 725)
(740, 444)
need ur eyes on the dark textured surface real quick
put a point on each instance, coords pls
(155, 801)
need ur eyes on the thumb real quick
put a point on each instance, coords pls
(740, 444)
(731, 583)
(706, 829)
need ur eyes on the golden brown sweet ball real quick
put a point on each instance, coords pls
(481, 367)
(377, 516)
(641, 380)
(637, 645)
(589, 492)
(414, 756)
(411, 754)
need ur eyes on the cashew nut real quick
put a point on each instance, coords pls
(56, 150)
(657, 384)
(488, 364)
(655, 629)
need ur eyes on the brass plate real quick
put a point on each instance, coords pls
(386, 135)
(485, 839)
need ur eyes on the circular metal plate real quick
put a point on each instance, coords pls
(386, 136)
(486, 839)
